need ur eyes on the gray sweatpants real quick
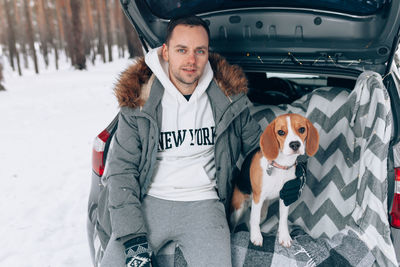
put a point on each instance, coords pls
(199, 228)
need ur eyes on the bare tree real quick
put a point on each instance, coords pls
(106, 13)
(82, 28)
(66, 15)
(118, 29)
(89, 32)
(43, 29)
(10, 14)
(60, 24)
(78, 49)
(29, 34)
(2, 88)
(100, 31)
(51, 33)
(133, 42)
(17, 16)
(21, 36)
(2, 22)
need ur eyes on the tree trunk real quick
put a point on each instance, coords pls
(118, 28)
(29, 34)
(89, 31)
(106, 12)
(9, 37)
(51, 32)
(17, 15)
(134, 45)
(2, 88)
(3, 37)
(19, 33)
(60, 24)
(24, 52)
(66, 15)
(100, 27)
(12, 36)
(21, 37)
(43, 29)
(78, 48)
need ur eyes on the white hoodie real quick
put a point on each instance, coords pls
(185, 169)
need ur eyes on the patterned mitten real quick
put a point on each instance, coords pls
(137, 252)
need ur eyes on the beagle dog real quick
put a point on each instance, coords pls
(268, 169)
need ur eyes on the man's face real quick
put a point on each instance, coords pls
(187, 55)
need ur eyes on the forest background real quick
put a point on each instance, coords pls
(84, 30)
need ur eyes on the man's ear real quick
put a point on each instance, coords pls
(164, 52)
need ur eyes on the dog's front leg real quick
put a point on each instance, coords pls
(255, 232)
(264, 211)
(284, 236)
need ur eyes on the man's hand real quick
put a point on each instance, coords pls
(137, 252)
(291, 190)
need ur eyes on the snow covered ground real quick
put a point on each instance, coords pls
(47, 125)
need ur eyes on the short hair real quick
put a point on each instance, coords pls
(189, 21)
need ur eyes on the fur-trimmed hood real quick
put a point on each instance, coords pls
(129, 87)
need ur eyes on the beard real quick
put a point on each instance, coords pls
(187, 79)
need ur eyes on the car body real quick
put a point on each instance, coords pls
(298, 46)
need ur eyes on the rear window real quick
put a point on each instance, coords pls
(175, 8)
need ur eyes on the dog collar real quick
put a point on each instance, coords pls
(273, 164)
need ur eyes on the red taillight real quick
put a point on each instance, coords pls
(98, 152)
(395, 213)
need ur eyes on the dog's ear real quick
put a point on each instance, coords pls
(312, 140)
(269, 143)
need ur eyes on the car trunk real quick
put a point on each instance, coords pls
(335, 36)
(332, 41)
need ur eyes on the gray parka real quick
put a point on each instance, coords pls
(132, 155)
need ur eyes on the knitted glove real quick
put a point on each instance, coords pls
(291, 190)
(137, 252)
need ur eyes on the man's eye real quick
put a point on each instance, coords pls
(181, 50)
(302, 130)
(281, 133)
(200, 52)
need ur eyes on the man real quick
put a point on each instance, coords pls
(183, 124)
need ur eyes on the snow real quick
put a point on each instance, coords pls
(47, 125)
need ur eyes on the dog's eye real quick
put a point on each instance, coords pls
(302, 130)
(280, 132)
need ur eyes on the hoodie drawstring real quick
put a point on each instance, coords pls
(177, 115)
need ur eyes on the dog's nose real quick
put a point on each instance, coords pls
(294, 145)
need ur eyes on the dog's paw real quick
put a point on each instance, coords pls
(285, 240)
(256, 238)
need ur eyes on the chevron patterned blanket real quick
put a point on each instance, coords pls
(344, 250)
(341, 218)
(344, 203)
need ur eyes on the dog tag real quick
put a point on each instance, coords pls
(269, 169)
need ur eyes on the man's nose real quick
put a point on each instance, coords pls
(192, 58)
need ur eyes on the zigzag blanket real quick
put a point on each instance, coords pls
(341, 217)
(344, 250)
(345, 197)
